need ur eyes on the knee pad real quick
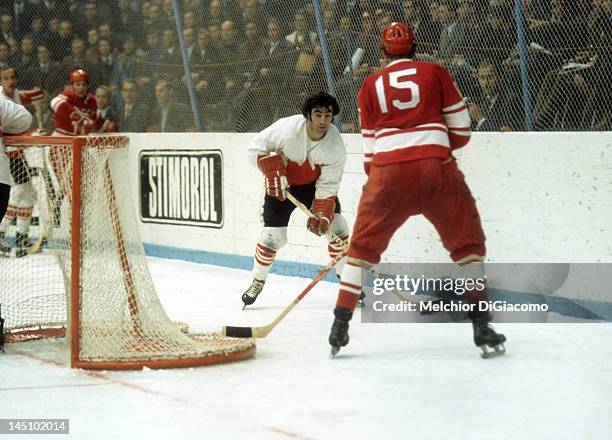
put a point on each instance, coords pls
(273, 237)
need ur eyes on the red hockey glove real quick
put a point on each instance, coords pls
(366, 167)
(275, 173)
(324, 210)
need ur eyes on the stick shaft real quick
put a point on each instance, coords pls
(262, 331)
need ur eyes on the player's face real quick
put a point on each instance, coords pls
(319, 122)
(9, 82)
(80, 88)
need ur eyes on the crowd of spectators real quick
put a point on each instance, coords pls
(252, 61)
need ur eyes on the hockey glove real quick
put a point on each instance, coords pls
(324, 210)
(275, 173)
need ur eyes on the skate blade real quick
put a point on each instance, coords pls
(487, 353)
(334, 351)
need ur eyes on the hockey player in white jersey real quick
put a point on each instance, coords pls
(22, 198)
(14, 119)
(306, 155)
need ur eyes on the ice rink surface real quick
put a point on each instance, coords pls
(393, 381)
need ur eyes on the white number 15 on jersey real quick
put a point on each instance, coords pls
(395, 81)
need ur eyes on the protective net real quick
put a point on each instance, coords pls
(87, 264)
(522, 64)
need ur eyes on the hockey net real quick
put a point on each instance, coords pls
(85, 274)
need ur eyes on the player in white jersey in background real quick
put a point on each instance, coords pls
(14, 119)
(305, 155)
(22, 198)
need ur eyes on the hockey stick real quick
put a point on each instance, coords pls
(50, 195)
(51, 198)
(262, 332)
(364, 266)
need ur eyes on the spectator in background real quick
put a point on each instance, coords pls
(152, 20)
(497, 108)
(103, 99)
(215, 13)
(302, 37)
(228, 51)
(214, 30)
(132, 113)
(204, 64)
(190, 20)
(44, 73)
(169, 115)
(92, 44)
(426, 31)
(167, 14)
(170, 62)
(105, 32)
(39, 34)
(252, 13)
(127, 21)
(189, 40)
(23, 12)
(104, 64)
(7, 33)
(250, 44)
(150, 60)
(27, 56)
(60, 43)
(498, 34)
(77, 58)
(449, 35)
(127, 62)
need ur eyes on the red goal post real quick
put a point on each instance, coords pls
(114, 316)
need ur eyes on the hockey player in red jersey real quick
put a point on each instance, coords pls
(412, 117)
(23, 194)
(76, 113)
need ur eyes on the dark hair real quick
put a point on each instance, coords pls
(320, 99)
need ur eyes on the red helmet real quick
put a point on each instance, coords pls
(78, 75)
(397, 39)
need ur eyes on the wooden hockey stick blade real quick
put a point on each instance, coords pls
(263, 331)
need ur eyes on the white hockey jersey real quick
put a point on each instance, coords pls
(14, 119)
(288, 138)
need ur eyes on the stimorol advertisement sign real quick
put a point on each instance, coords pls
(181, 187)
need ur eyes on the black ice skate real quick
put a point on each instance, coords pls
(22, 243)
(251, 294)
(361, 302)
(490, 342)
(338, 336)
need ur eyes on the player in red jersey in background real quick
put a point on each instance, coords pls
(412, 117)
(76, 113)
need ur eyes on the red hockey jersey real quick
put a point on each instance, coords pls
(74, 115)
(411, 110)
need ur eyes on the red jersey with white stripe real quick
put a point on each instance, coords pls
(411, 110)
(74, 115)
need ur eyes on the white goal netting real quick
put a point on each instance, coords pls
(85, 262)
